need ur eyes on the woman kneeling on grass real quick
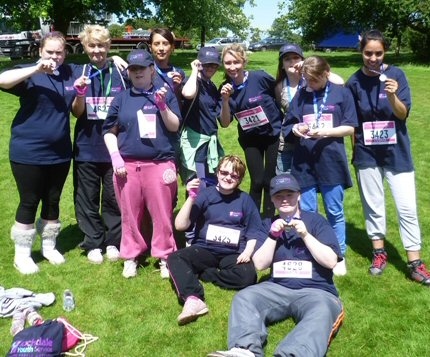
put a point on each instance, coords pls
(227, 224)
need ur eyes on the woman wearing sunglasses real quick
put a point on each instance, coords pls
(227, 224)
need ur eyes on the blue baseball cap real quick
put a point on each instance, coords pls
(209, 55)
(283, 182)
(291, 48)
(140, 58)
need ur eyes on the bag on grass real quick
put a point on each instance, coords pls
(73, 338)
(44, 340)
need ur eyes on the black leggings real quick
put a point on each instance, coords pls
(261, 153)
(37, 183)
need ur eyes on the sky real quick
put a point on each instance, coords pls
(264, 13)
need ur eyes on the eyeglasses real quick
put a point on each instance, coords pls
(232, 175)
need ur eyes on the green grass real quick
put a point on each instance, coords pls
(385, 316)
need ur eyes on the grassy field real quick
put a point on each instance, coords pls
(385, 316)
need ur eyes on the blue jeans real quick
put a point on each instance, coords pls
(333, 197)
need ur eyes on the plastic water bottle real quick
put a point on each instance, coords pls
(68, 301)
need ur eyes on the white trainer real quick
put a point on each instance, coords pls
(234, 352)
(95, 256)
(130, 269)
(112, 253)
(164, 270)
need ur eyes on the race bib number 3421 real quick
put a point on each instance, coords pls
(251, 118)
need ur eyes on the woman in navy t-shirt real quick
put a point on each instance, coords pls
(96, 209)
(200, 146)
(382, 151)
(249, 96)
(40, 147)
(227, 225)
(140, 134)
(320, 116)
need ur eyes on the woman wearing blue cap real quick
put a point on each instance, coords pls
(140, 134)
(301, 249)
(288, 81)
(200, 147)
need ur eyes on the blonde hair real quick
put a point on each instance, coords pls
(315, 67)
(236, 162)
(95, 33)
(237, 51)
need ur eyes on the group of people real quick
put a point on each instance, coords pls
(141, 122)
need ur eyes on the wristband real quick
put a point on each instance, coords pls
(193, 193)
(117, 160)
(160, 102)
(81, 91)
(273, 237)
(162, 106)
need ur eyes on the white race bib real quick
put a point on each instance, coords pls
(251, 118)
(222, 235)
(97, 107)
(325, 121)
(147, 125)
(379, 132)
(292, 269)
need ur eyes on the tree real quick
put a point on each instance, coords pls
(209, 16)
(317, 18)
(255, 34)
(60, 12)
(281, 28)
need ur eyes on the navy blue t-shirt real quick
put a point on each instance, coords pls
(40, 131)
(321, 161)
(236, 211)
(206, 108)
(106, 83)
(257, 91)
(290, 247)
(149, 140)
(372, 105)
(162, 76)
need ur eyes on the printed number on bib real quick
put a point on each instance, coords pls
(379, 133)
(147, 125)
(251, 118)
(293, 269)
(97, 107)
(222, 235)
(325, 121)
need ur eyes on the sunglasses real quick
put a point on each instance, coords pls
(232, 175)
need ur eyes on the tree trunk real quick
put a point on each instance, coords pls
(203, 36)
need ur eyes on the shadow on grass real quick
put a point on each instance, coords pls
(361, 244)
